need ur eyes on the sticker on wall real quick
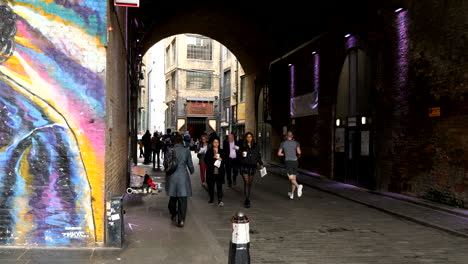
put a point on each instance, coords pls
(339, 139)
(434, 111)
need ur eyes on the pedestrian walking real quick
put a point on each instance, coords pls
(215, 159)
(187, 139)
(250, 160)
(167, 142)
(156, 145)
(178, 185)
(290, 149)
(201, 151)
(140, 145)
(146, 139)
(232, 163)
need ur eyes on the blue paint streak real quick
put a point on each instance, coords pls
(98, 29)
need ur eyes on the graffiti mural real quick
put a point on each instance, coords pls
(52, 121)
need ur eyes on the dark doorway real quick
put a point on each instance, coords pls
(353, 159)
(196, 126)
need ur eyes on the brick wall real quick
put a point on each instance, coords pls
(427, 67)
(117, 135)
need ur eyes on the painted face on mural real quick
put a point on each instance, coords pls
(51, 155)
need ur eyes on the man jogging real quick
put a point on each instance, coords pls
(291, 151)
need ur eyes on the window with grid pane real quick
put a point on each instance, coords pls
(199, 48)
(198, 80)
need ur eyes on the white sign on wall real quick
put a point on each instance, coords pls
(130, 3)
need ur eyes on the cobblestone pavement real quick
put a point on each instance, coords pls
(317, 228)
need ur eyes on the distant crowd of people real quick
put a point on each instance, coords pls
(218, 160)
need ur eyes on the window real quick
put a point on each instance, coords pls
(227, 84)
(199, 48)
(226, 53)
(173, 78)
(198, 80)
(173, 58)
(167, 57)
(242, 89)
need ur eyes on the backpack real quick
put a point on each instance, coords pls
(167, 142)
(170, 162)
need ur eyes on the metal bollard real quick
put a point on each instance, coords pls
(240, 243)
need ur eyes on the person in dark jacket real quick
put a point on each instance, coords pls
(231, 147)
(146, 139)
(250, 160)
(156, 145)
(178, 185)
(215, 174)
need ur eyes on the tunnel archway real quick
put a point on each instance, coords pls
(201, 85)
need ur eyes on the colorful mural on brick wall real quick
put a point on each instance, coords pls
(52, 121)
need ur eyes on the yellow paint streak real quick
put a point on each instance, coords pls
(25, 223)
(26, 43)
(17, 69)
(95, 170)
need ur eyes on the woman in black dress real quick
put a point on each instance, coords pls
(250, 160)
(215, 174)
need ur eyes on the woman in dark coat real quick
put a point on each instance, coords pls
(178, 185)
(214, 174)
(250, 159)
(146, 139)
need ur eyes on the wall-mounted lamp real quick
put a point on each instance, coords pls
(363, 120)
(338, 122)
(314, 52)
(289, 64)
(398, 10)
(347, 35)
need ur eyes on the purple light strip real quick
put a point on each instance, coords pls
(402, 49)
(292, 86)
(316, 78)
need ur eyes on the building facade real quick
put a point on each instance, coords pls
(156, 88)
(232, 95)
(192, 74)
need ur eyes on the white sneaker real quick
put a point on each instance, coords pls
(291, 195)
(299, 190)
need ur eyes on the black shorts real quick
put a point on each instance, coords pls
(291, 167)
(248, 170)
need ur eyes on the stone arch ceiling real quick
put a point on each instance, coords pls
(257, 32)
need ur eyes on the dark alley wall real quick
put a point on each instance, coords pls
(419, 61)
(423, 63)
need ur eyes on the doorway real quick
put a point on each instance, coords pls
(353, 156)
(196, 126)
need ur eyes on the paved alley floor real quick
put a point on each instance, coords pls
(319, 228)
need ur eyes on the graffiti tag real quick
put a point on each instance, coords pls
(77, 234)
